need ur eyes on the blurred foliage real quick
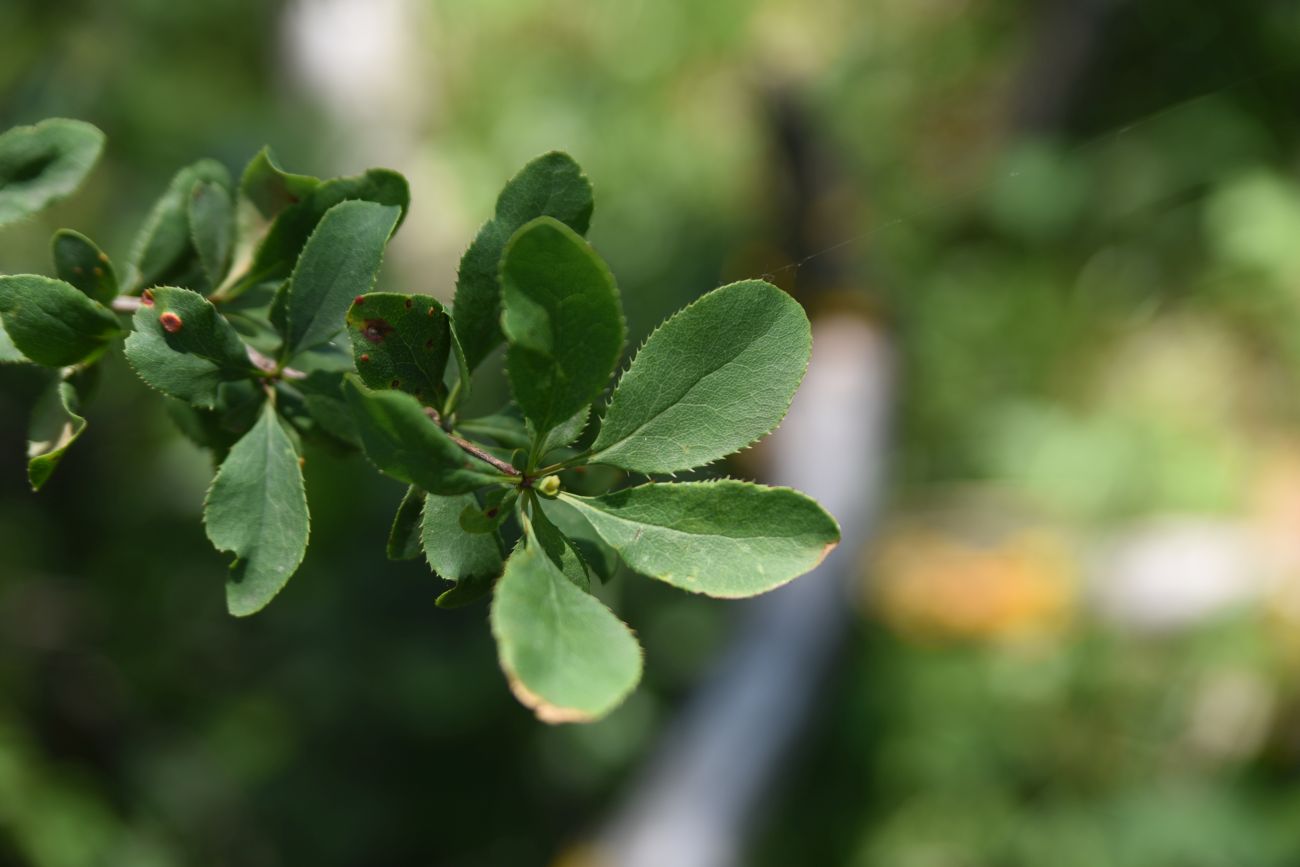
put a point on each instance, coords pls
(1097, 307)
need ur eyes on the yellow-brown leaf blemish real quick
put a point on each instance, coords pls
(375, 330)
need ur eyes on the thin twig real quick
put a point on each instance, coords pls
(469, 447)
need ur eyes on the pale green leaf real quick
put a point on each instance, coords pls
(52, 323)
(552, 185)
(723, 538)
(564, 653)
(41, 164)
(472, 560)
(340, 261)
(184, 348)
(257, 509)
(402, 441)
(9, 353)
(506, 428)
(79, 262)
(402, 342)
(714, 378)
(562, 321)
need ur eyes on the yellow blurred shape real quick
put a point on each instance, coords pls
(934, 585)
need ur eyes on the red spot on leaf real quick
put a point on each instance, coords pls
(365, 356)
(171, 323)
(146, 298)
(359, 300)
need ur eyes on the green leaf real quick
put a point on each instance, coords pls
(562, 321)
(257, 509)
(714, 378)
(79, 262)
(724, 538)
(164, 251)
(339, 262)
(402, 342)
(9, 353)
(56, 424)
(464, 373)
(563, 433)
(404, 537)
(52, 323)
(472, 560)
(404, 443)
(212, 228)
(564, 653)
(270, 188)
(552, 185)
(41, 164)
(599, 557)
(184, 348)
(506, 428)
(284, 242)
(487, 516)
(559, 548)
(323, 395)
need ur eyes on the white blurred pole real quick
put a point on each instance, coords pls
(696, 798)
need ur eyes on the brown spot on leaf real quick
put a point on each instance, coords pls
(396, 383)
(365, 356)
(146, 298)
(375, 330)
(408, 303)
(171, 323)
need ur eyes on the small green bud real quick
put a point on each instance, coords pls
(548, 487)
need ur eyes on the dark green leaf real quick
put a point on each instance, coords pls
(562, 321)
(487, 516)
(79, 262)
(506, 428)
(163, 251)
(402, 342)
(212, 228)
(562, 434)
(270, 188)
(714, 378)
(56, 424)
(404, 537)
(52, 323)
(564, 653)
(257, 509)
(339, 262)
(724, 538)
(559, 548)
(599, 557)
(184, 348)
(323, 395)
(401, 440)
(41, 164)
(552, 185)
(284, 242)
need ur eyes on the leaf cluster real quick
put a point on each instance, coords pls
(253, 311)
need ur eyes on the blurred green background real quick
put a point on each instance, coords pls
(1076, 637)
